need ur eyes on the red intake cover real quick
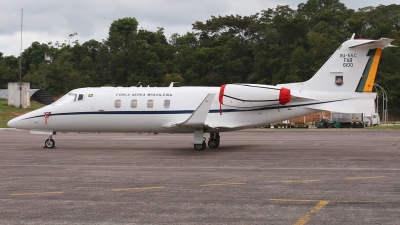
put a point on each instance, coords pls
(221, 93)
(284, 96)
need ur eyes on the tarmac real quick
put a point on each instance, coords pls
(258, 176)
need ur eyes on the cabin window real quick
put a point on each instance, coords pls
(134, 103)
(80, 97)
(167, 103)
(117, 103)
(150, 103)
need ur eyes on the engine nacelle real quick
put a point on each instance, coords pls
(252, 95)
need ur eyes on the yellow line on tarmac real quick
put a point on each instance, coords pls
(319, 200)
(38, 193)
(321, 204)
(344, 201)
(293, 200)
(138, 189)
(221, 184)
(303, 220)
(396, 143)
(299, 181)
(360, 178)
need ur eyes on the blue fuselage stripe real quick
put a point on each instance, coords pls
(167, 112)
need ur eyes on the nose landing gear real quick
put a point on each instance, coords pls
(49, 143)
(199, 147)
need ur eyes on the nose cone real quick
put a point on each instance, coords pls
(14, 122)
(28, 121)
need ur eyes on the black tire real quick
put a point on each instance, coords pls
(200, 147)
(213, 143)
(49, 143)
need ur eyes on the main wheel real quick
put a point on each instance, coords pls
(213, 143)
(199, 147)
(49, 143)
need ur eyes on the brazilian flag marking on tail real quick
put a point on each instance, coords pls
(368, 78)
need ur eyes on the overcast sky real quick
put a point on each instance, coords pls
(55, 20)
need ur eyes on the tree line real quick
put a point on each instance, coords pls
(276, 45)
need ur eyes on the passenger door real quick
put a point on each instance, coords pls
(101, 108)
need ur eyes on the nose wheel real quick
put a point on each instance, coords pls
(200, 147)
(49, 143)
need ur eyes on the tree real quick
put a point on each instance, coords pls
(122, 34)
(38, 76)
(9, 70)
(33, 56)
(136, 55)
(245, 27)
(379, 21)
(168, 78)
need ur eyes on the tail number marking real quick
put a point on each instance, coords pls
(347, 64)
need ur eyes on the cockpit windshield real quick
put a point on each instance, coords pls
(68, 98)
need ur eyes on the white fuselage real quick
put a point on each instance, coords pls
(119, 109)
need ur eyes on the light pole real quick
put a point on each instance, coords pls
(377, 99)
(384, 104)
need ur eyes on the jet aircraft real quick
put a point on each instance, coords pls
(343, 84)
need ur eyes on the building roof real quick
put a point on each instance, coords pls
(38, 95)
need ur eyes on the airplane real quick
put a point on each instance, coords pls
(343, 84)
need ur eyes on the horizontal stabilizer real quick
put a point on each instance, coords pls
(381, 43)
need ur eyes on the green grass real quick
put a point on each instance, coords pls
(7, 112)
(384, 127)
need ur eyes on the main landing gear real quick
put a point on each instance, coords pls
(49, 143)
(212, 143)
(214, 140)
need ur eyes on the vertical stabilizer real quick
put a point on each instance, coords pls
(352, 68)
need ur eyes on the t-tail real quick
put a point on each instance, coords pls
(352, 68)
(345, 82)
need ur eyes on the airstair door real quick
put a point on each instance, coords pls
(101, 108)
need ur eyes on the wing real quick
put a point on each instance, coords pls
(197, 119)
